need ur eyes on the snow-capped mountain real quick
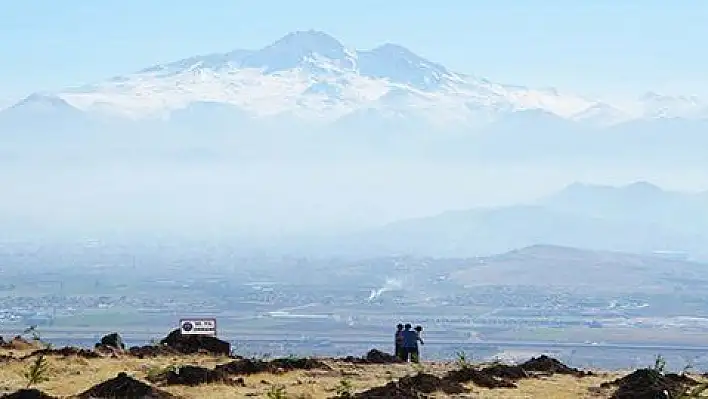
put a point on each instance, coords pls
(311, 76)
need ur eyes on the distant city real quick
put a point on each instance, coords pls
(491, 305)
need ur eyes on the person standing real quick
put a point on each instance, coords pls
(398, 340)
(410, 344)
(415, 355)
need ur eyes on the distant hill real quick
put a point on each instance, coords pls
(550, 265)
(639, 202)
(639, 218)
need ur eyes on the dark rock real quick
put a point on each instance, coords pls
(190, 344)
(113, 340)
(27, 394)
(124, 386)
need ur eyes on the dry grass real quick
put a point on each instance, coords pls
(71, 375)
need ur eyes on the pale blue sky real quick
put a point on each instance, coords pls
(593, 46)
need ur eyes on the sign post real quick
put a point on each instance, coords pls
(198, 326)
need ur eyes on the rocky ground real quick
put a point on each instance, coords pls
(193, 367)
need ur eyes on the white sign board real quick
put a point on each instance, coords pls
(198, 327)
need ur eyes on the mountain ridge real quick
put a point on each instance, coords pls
(639, 217)
(312, 75)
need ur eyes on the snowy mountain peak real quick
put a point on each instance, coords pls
(312, 76)
(309, 41)
(215, 62)
(298, 49)
(288, 52)
(400, 65)
(400, 54)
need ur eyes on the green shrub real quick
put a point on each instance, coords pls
(277, 392)
(37, 372)
(344, 388)
(462, 360)
(659, 364)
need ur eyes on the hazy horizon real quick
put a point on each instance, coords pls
(301, 135)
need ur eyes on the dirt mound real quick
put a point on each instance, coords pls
(374, 356)
(27, 394)
(413, 387)
(151, 351)
(648, 384)
(243, 367)
(20, 344)
(505, 376)
(513, 373)
(350, 359)
(681, 379)
(497, 376)
(379, 357)
(250, 366)
(550, 365)
(289, 364)
(124, 386)
(66, 352)
(223, 373)
(189, 344)
(196, 375)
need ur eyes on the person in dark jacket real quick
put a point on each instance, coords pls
(398, 340)
(410, 344)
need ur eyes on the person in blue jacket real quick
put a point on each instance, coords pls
(410, 344)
